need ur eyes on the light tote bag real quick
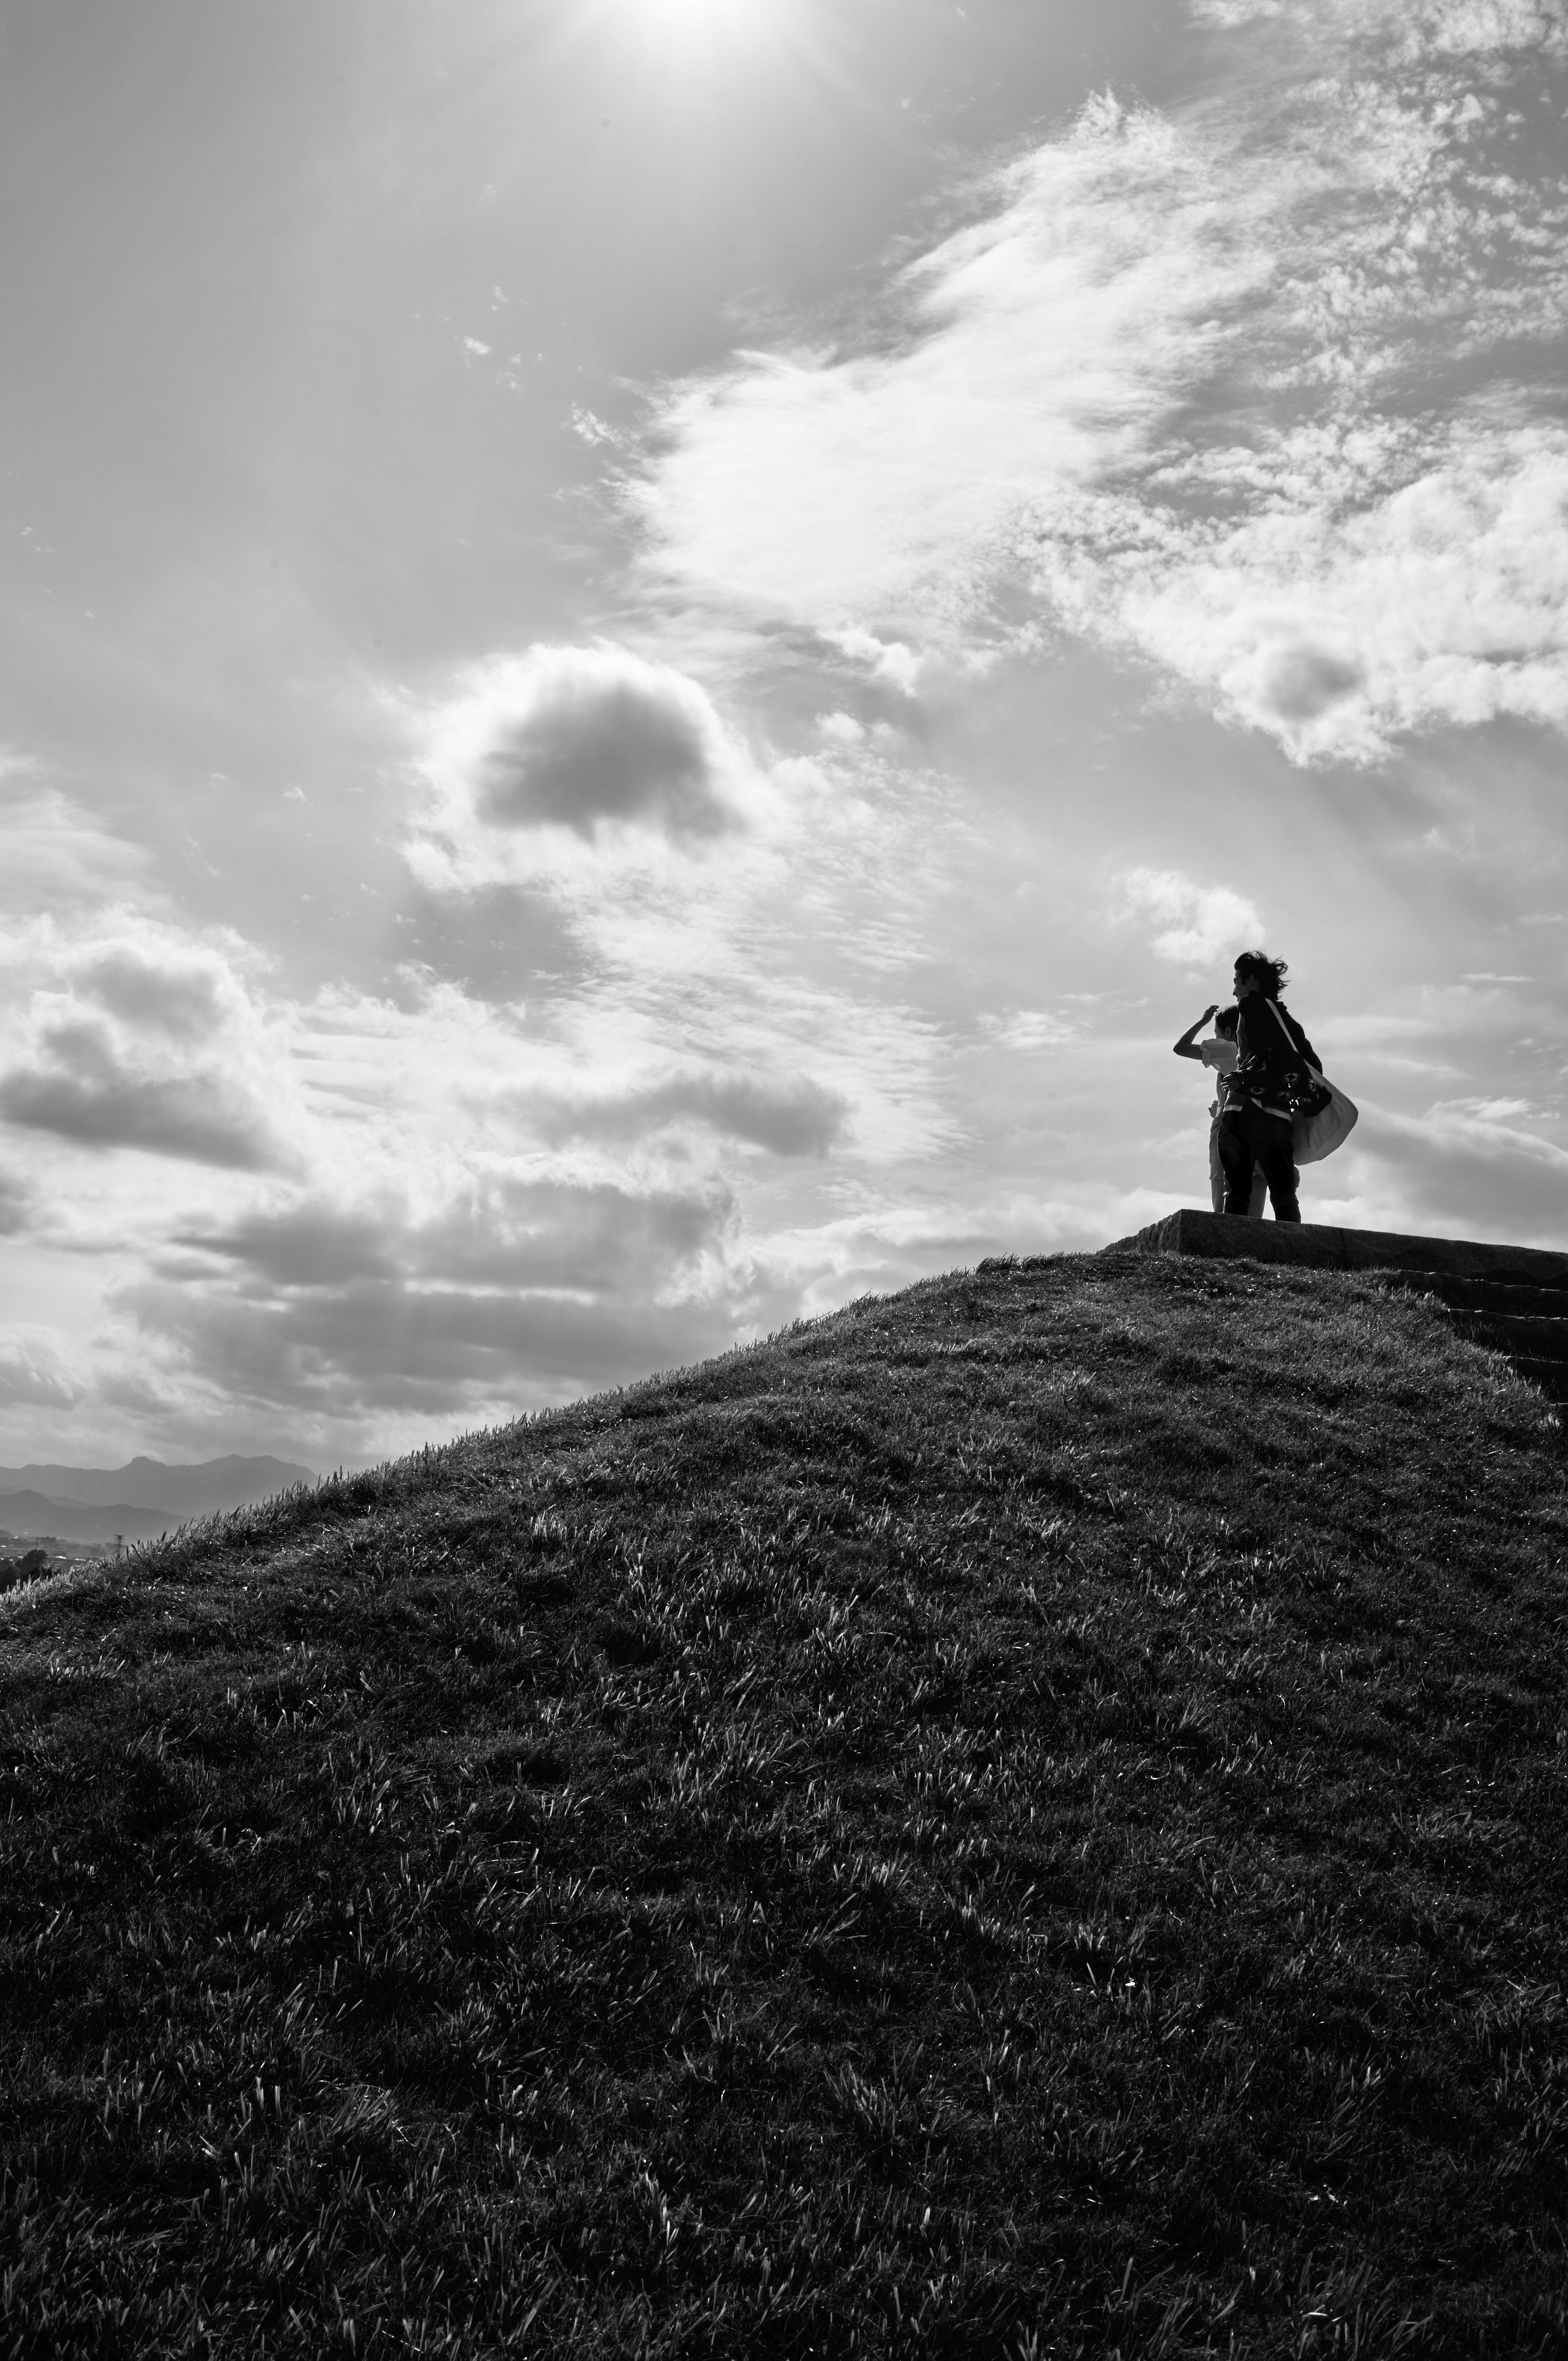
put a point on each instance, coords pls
(1316, 1136)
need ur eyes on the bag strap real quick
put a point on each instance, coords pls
(1295, 1046)
(1278, 1016)
(1295, 1049)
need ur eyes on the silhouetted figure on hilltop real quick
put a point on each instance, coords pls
(1220, 1055)
(1262, 1096)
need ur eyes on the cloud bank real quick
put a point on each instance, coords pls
(505, 1289)
(1472, 1172)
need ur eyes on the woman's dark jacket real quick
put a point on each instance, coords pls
(1265, 1051)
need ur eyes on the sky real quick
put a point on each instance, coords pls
(651, 649)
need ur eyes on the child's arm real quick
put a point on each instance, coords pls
(1186, 1047)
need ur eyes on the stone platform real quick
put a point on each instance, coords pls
(1514, 1298)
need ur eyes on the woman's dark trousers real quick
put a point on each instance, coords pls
(1247, 1136)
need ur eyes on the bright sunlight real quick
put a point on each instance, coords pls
(696, 34)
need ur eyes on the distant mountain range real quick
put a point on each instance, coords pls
(139, 1500)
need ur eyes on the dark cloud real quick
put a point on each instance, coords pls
(306, 1245)
(544, 1234)
(1300, 683)
(1471, 1178)
(792, 1117)
(369, 1348)
(519, 1292)
(183, 1000)
(80, 1089)
(598, 735)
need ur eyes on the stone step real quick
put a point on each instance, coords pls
(1483, 1294)
(1320, 1247)
(1542, 1340)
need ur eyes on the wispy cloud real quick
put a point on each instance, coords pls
(1254, 391)
(53, 854)
(1031, 1030)
(35, 1373)
(850, 488)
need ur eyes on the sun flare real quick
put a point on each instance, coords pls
(691, 32)
(700, 15)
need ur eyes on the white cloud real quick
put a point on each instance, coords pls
(1249, 392)
(849, 490)
(1198, 925)
(590, 428)
(888, 660)
(841, 729)
(1444, 599)
(1030, 1030)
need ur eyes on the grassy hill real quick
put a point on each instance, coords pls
(1027, 1818)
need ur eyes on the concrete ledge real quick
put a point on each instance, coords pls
(1316, 1245)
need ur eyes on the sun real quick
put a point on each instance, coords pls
(701, 16)
(689, 58)
(695, 30)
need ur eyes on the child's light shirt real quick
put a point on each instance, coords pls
(1221, 1055)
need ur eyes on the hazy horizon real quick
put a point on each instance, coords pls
(654, 648)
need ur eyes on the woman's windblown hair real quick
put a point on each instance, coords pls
(1268, 974)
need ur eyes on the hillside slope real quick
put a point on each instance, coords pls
(1024, 1818)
